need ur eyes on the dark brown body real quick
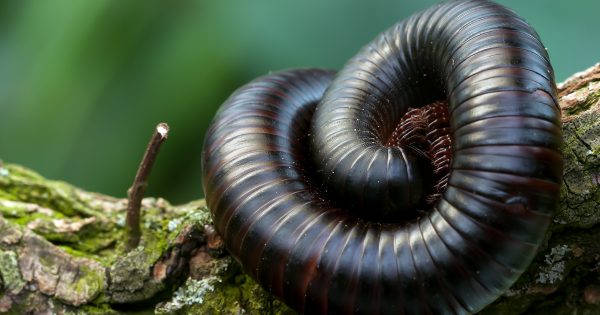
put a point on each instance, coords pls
(293, 234)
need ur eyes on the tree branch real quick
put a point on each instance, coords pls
(59, 253)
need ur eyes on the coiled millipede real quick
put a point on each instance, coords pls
(331, 216)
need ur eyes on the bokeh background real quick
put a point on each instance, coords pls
(83, 83)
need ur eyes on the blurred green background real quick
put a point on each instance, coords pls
(83, 83)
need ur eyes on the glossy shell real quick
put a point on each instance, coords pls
(293, 234)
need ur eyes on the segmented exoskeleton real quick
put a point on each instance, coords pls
(326, 215)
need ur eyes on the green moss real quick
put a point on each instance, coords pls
(191, 293)
(193, 213)
(25, 185)
(154, 244)
(6, 196)
(75, 253)
(21, 172)
(240, 295)
(10, 273)
(130, 275)
(225, 291)
(92, 240)
(24, 212)
(89, 283)
(103, 309)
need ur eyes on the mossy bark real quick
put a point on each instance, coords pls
(62, 249)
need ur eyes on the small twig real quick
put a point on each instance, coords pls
(136, 192)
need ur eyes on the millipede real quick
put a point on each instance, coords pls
(420, 178)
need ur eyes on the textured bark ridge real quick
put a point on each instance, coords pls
(62, 249)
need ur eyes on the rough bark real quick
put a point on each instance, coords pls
(62, 249)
